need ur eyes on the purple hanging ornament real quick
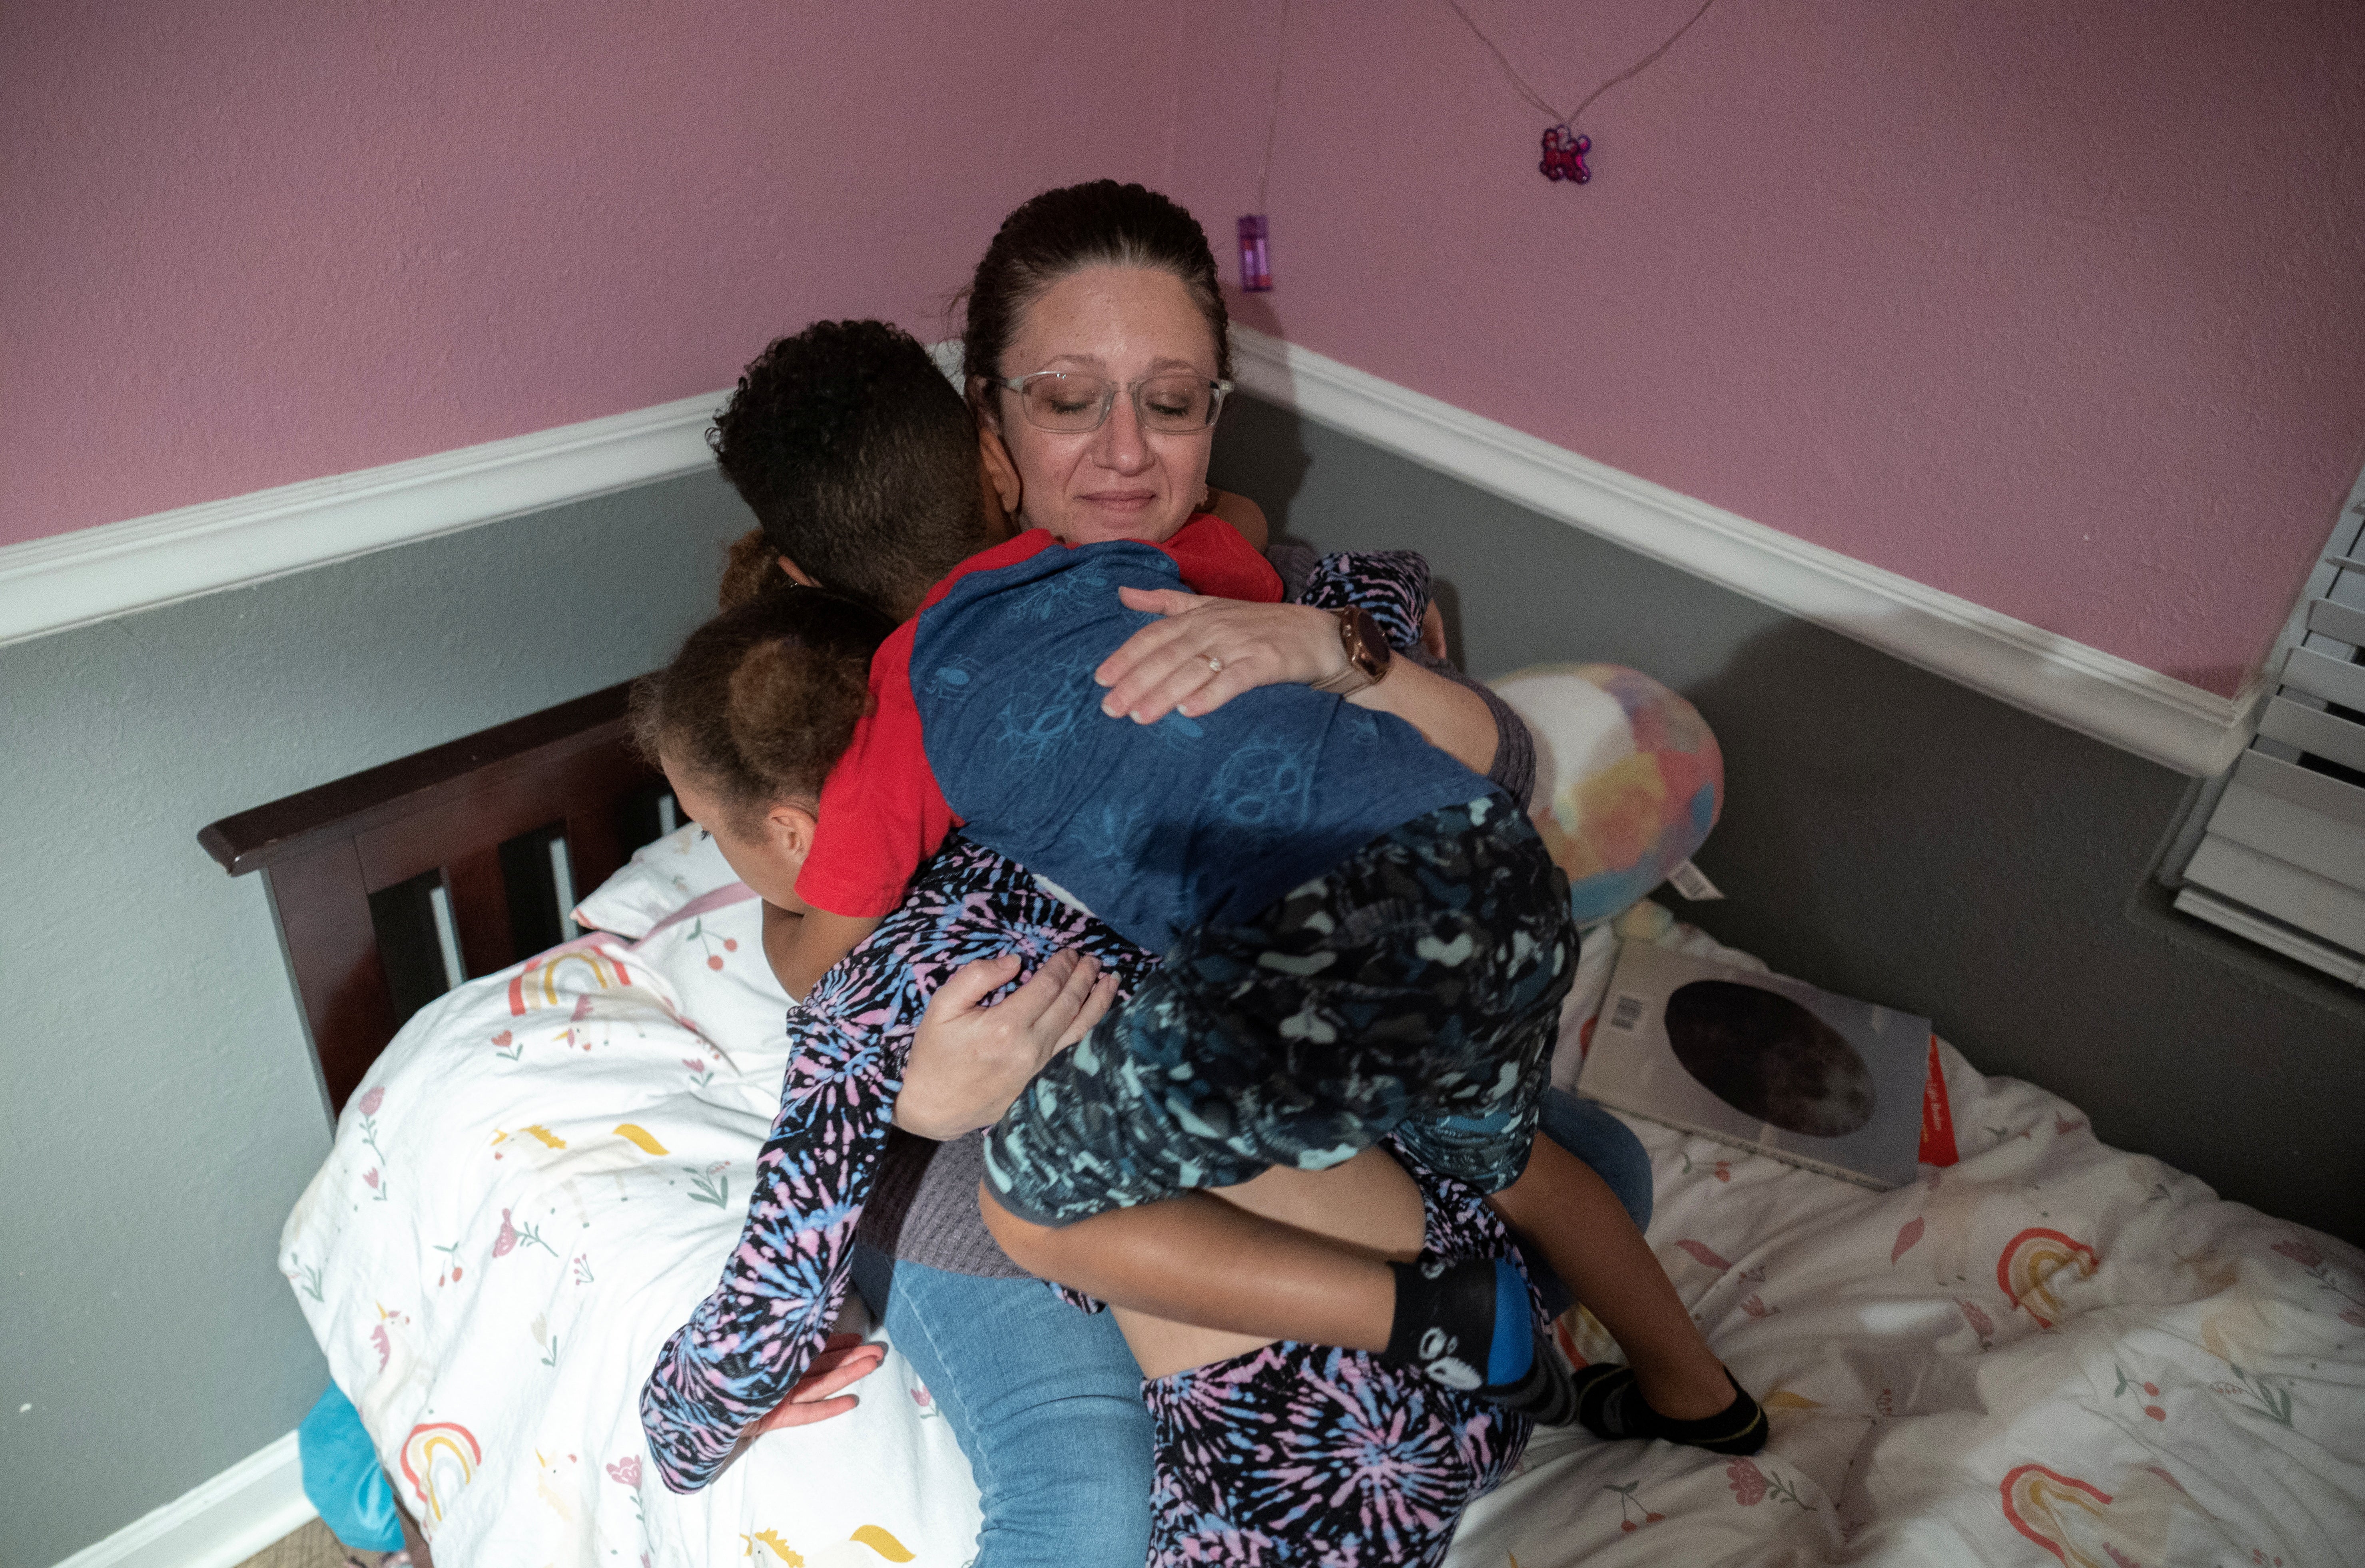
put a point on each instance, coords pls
(1256, 268)
(1564, 153)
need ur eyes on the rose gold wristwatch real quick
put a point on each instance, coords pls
(1367, 651)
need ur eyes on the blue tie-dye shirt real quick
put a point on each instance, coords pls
(1154, 828)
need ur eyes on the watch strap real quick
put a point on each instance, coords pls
(1367, 651)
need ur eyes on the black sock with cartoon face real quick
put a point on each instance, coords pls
(1470, 1326)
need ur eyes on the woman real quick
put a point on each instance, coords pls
(1018, 1374)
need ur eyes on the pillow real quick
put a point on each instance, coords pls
(662, 876)
(1628, 779)
(710, 953)
(689, 919)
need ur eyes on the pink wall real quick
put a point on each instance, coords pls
(2057, 308)
(245, 245)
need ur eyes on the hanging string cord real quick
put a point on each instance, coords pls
(1273, 120)
(1641, 65)
(1510, 70)
(1536, 98)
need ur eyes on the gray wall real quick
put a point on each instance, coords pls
(1894, 836)
(1886, 833)
(160, 1116)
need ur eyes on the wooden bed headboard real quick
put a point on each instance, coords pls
(355, 868)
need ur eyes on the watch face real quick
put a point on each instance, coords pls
(1370, 652)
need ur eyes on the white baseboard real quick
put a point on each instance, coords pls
(2110, 698)
(49, 585)
(217, 1524)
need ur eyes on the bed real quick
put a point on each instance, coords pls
(2052, 1351)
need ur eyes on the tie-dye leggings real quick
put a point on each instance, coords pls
(1306, 1454)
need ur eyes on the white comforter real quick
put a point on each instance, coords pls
(535, 1184)
(2053, 1349)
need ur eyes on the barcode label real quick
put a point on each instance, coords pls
(1626, 1014)
(1688, 880)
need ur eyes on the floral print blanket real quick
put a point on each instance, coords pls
(535, 1184)
(2053, 1351)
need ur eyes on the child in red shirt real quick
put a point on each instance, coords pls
(885, 812)
(888, 810)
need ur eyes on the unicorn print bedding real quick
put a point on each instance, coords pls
(535, 1184)
(2050, 1351)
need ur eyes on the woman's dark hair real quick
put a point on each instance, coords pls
(859, 458)
(762, 700)
(1101, 224)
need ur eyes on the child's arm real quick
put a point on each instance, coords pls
(752, 1341)
(1245, 516)
(812, 946)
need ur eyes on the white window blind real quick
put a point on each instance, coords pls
(2281, 860)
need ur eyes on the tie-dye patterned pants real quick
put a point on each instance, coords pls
(1306, 1454)
(1412, 991)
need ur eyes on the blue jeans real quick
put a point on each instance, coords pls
(1046, 1400)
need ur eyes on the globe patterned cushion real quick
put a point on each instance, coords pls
(1629, 779)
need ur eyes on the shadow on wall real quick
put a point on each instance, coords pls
(1888, 833)
(1893, 835)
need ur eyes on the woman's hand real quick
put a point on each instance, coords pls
(969, 1061)
(1164, 667)
(844, 1358)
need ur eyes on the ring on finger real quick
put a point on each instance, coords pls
(1215, 665)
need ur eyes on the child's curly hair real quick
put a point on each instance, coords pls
(762, 700)
(859, 458)
(752, 567)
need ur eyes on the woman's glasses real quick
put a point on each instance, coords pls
(1071, 404)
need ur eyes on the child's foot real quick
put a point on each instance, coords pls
(1468, 1326)
(1610, 1405)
